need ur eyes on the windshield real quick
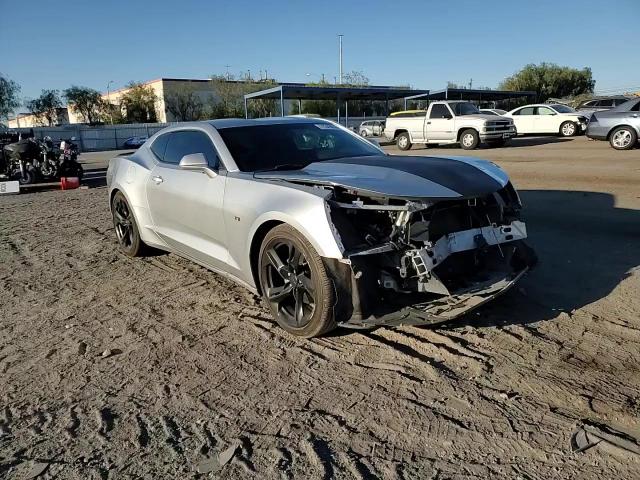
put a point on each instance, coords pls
(464, 108)
(291, 146)
(563, 109)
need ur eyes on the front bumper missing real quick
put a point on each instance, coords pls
(446, 308)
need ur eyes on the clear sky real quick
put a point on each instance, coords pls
(53, 44)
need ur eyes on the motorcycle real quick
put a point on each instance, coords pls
(20, 160)
(70, 167)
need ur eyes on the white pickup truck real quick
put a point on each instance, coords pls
(449, 122)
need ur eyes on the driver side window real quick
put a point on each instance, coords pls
(440, 111)
(185, 142)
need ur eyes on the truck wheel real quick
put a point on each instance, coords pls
(623, 138)
(568, 129)
(403, 141)
(469, 139)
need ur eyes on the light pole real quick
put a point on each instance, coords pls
(109, 101)
(340, 37)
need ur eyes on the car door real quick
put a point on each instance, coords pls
(545, 120)
(439, 125)
(186, 205)
(523, 119)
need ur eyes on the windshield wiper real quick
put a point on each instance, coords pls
(284, 166)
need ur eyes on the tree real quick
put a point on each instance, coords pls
(355, 78)
(139, 103)
(9, 100)
(228, 101)
(45, 107)
(551, 80)
(183, 103)
(86, 101)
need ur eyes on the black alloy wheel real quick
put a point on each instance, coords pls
(295, 284)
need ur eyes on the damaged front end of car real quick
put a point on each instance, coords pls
(423, 261)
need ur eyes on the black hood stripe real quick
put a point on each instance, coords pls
(455, 175)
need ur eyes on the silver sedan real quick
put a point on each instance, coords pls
(620, 126)
(324, 225)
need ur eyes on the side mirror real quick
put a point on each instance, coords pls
(196, 161)
(193, 161)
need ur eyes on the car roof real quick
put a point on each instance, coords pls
(222, 123)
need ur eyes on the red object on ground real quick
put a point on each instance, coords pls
(69, 183)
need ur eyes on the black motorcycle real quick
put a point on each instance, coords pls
(20, 160)
(69, 166)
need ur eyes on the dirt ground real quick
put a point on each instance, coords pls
(155, 368)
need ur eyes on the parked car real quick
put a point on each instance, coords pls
(134, 142)
(493, 111)
(371, 128)
(620, 125)
(552, 118)
(600, 104)
(324, 225)
(449, 122)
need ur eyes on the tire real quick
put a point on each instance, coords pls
(403, 141)
(364, 133)
(295, 284)
(127, 231)
(29, 177)
(469, 139)
(623, 138)
(568, 129)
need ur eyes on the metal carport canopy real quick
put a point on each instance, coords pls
(470, 94)
(308, 92)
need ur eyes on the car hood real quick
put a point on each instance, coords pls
(483, 116)
(401, 176)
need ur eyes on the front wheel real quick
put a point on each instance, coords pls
(469, 139)
(295, 284)
(29, 176)
(623, 138)
(403, 141)
(568, 129)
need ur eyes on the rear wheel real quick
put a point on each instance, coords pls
(364, 133)
(403, 141)
(469, 139)
(295, 284)
(126, 227)
(623, 138)
(568, 129)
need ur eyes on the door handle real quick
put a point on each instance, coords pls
(635, 115)
(428, 123)
(158, 179)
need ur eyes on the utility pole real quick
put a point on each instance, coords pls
(227, 66)
(340, 37)
(470, 83)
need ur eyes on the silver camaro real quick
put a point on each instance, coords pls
(326, 226)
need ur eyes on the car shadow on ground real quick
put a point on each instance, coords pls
(586, 247)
